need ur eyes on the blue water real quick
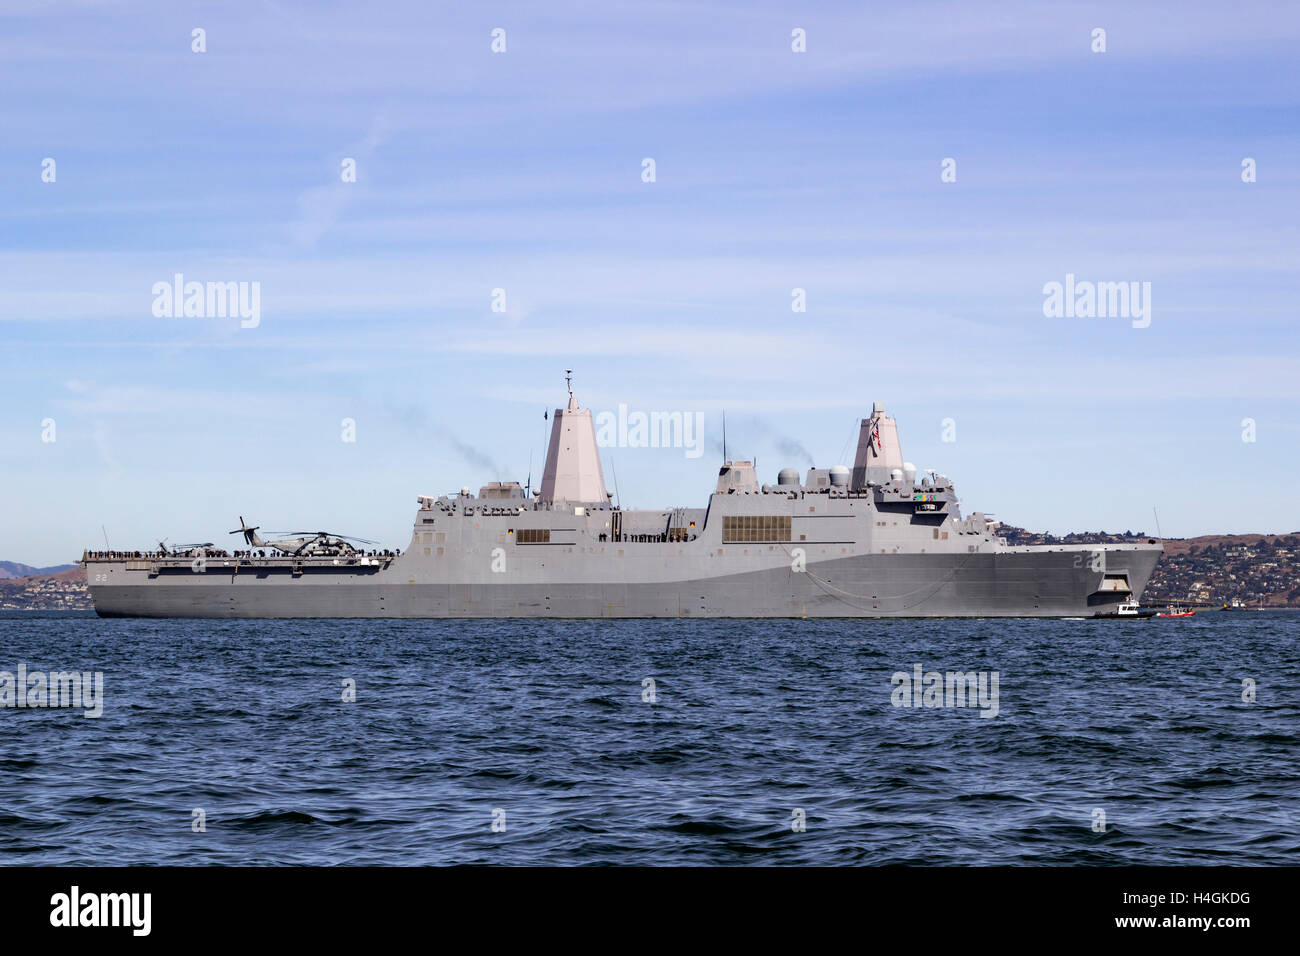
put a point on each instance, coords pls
(753, 720)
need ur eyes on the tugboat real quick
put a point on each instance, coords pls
(1236, 604)
(1128, 610)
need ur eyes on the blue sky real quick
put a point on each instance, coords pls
(522, 171)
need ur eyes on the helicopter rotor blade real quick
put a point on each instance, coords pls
(330, 534)
(245, 530)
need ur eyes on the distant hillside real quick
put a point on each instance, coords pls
(12, 569)
(75, 574)
(61, 588)
(1188, 545)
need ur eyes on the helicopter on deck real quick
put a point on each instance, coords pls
(303, 543)
(180, 550)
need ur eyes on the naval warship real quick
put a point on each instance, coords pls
(871, 542)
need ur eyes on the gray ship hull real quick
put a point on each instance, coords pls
(1012, 582)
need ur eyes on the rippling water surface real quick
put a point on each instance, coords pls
(753, 720)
